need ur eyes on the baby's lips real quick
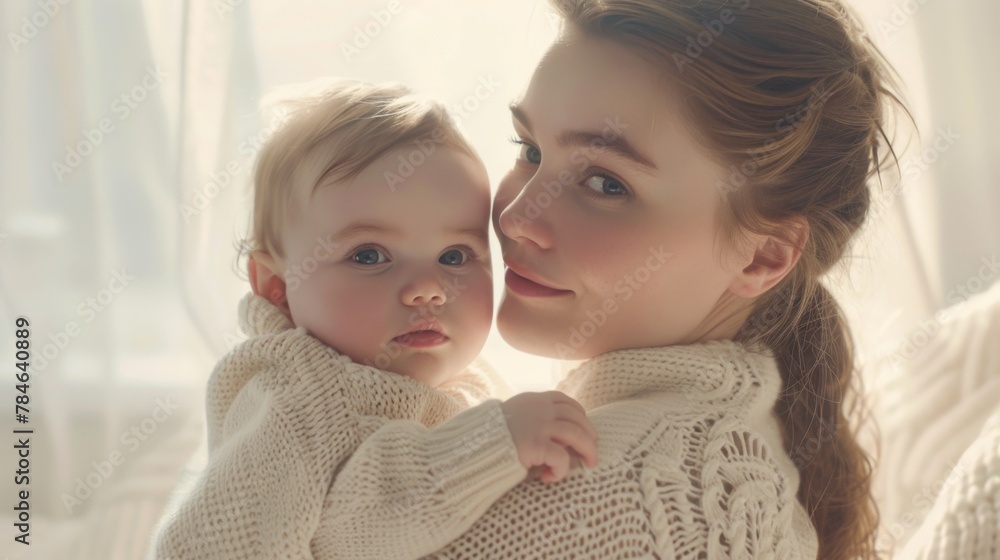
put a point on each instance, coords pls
(423, 326)
(422, 338)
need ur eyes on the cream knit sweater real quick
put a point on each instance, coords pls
(691, 465)
(298, 433)
(964, 523)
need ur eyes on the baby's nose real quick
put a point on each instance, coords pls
(422, 291)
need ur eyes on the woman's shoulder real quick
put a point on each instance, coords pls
(707, 377)
(674, 425)
(712, 401)
(664, 485)
(714, 448)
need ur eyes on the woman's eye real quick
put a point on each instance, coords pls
(605, 185)
(369, 256)
(527, 152)
(453, 257)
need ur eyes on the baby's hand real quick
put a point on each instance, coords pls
(545, 427)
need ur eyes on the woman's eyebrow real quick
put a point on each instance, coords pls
(518, 113)
(615, 144)
(618, 147)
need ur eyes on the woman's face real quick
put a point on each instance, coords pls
(607, 221)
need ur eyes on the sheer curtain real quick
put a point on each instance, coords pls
(130, 130)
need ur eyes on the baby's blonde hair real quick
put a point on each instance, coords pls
(334, 129)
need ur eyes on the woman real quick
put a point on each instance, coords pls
(687, 171)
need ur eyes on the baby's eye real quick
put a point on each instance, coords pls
(369, 256)
(605, 185)
(454, 257)
(527, 152)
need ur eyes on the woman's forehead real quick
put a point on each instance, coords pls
(597, 86)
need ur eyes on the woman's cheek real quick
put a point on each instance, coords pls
(607, 258)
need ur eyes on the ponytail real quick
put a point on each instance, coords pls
(806, 330)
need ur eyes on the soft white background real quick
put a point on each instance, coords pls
(63, 237)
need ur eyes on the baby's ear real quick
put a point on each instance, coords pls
(266, 280)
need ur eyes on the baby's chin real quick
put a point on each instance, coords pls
(426, 367)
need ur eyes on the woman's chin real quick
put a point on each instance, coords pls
(532, 333)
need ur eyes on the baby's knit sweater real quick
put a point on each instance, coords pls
(691, 466)
(298, 433)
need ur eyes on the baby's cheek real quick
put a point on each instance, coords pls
(477, 304)
(352, 321)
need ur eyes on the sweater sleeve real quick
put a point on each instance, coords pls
(256, 497)
(277, 431)
(408, 490)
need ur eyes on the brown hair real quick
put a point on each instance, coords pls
(789, 95)
(333, 127)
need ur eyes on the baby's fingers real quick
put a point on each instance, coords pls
(558, 397)
(557, 461)
(566, 411)
(572, 435)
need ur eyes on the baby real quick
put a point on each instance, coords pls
(342, 427)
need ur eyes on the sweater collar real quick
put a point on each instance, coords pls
(401, 397)
(258, 316)
(704, 371)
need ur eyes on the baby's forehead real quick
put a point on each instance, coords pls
(430, 170)
(436, 192)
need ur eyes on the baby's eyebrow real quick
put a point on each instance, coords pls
(358, 229)
(477, 233)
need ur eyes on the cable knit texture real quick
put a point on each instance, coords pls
(931, 396)
(285, 414)
(964, 523)
(691, 466)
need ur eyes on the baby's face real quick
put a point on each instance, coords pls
(392, 268)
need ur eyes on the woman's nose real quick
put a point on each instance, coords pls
(520, 214)
(423, 290)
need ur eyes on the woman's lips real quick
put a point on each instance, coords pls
(421, 339)
(522, 286)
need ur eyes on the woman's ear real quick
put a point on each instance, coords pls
(266, 280)
(772, 259)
